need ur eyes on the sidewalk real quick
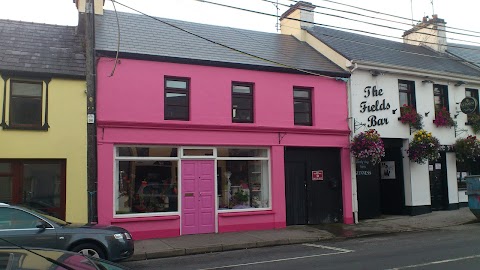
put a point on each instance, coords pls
(204, 243)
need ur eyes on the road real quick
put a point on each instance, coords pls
(449, 248)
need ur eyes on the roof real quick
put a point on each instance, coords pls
(381, 51)
(467, 52)
(141, 35)
(40, 48)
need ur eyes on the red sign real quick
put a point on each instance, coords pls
(317, 175)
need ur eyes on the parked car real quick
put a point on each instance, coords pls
(29, 228)
(51, 259)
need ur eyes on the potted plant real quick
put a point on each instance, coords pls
(423, 147)
(408, 115)
(467, 149)
(443, 118)
(368, 145)
(474, 121)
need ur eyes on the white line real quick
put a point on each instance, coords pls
(327, 247)
(278, 260)
(436, 262)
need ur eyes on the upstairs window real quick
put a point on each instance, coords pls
(242, 102)
(473, 93)
(302, 106)
(440, 96)
(25, 103)
(177, 104)
(406, 93)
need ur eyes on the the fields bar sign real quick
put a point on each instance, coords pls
(317, 175)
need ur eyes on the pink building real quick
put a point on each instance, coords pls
(194, 137)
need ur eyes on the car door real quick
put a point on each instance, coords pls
(19, 227)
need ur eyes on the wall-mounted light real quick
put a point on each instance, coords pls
(375, 72)
(426, 114)
(427, 81)
(460, 83)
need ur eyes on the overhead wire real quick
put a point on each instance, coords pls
(331, 26)
(223, 45)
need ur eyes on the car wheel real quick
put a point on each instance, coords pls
(91, 250)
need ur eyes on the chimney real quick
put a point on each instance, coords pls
(98, 6)
(302, 15)
(430, 33)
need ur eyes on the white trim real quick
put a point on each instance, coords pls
(151, 214)
(146, 158)
(213, 148)
(243, 158)
(221, 211)
(179, 193)
(215, 183)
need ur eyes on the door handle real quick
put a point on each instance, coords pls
(189, 194)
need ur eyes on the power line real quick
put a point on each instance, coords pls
(330, 26)
(386, 14)
(371, 17)
(374, 24)
(221, 44)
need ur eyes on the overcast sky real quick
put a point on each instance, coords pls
(458, 13)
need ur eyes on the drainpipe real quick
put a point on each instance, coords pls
(353, 170)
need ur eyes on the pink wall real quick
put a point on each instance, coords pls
(130, 111)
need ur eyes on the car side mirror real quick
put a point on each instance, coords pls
(41, 226)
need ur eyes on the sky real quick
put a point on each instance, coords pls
(460, 14)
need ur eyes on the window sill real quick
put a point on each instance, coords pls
(246, 213)
(45, 127)
(118, 219)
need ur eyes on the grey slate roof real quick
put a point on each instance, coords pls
(472, 56)
(370, 49)
(141, 35)
(40, 48)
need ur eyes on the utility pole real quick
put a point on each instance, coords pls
(91, 110)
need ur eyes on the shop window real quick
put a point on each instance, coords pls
(473, 93)
(406, 93)
(177, 105)
(302, 106)
(242, 102)
(440, 96)
(243, 182)
(146, 185)
(26, 105)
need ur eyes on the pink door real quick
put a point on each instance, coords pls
(198, 196)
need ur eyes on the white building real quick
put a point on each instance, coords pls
(384, 76)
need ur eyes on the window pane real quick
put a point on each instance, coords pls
(198, 152)
(26, 89)
(154, 151)
(403, 87)
(146, 187)
(242, 102)
(176, 112)
(403, 98)
(26, 111)
(301, 93)
(42, 186)
(176, 84)
(17, 219)
(468, 93)
(6, 190)
(302, 118)
(174, 98)
(242, 115)
(243, 184)
(241, 152)
(5, 167)
(301, 106)
(242, 89)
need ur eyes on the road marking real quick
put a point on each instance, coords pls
(327, 247)
(436, 262)
(340, 251)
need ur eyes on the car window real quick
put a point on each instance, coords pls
(17, 219)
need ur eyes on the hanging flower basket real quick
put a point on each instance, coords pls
(443, 118)
(474, 120)
(368, 145)
(423, 147)
(467, 149)
(410, 116)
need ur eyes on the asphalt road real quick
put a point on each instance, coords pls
(449, 248)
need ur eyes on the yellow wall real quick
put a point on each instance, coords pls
(65, 139)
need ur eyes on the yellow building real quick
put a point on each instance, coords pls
(43, 135)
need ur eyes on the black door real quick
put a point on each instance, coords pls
(296, 188)
(368, 189)
(313, 201)
(437, 171)
(392, 190)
